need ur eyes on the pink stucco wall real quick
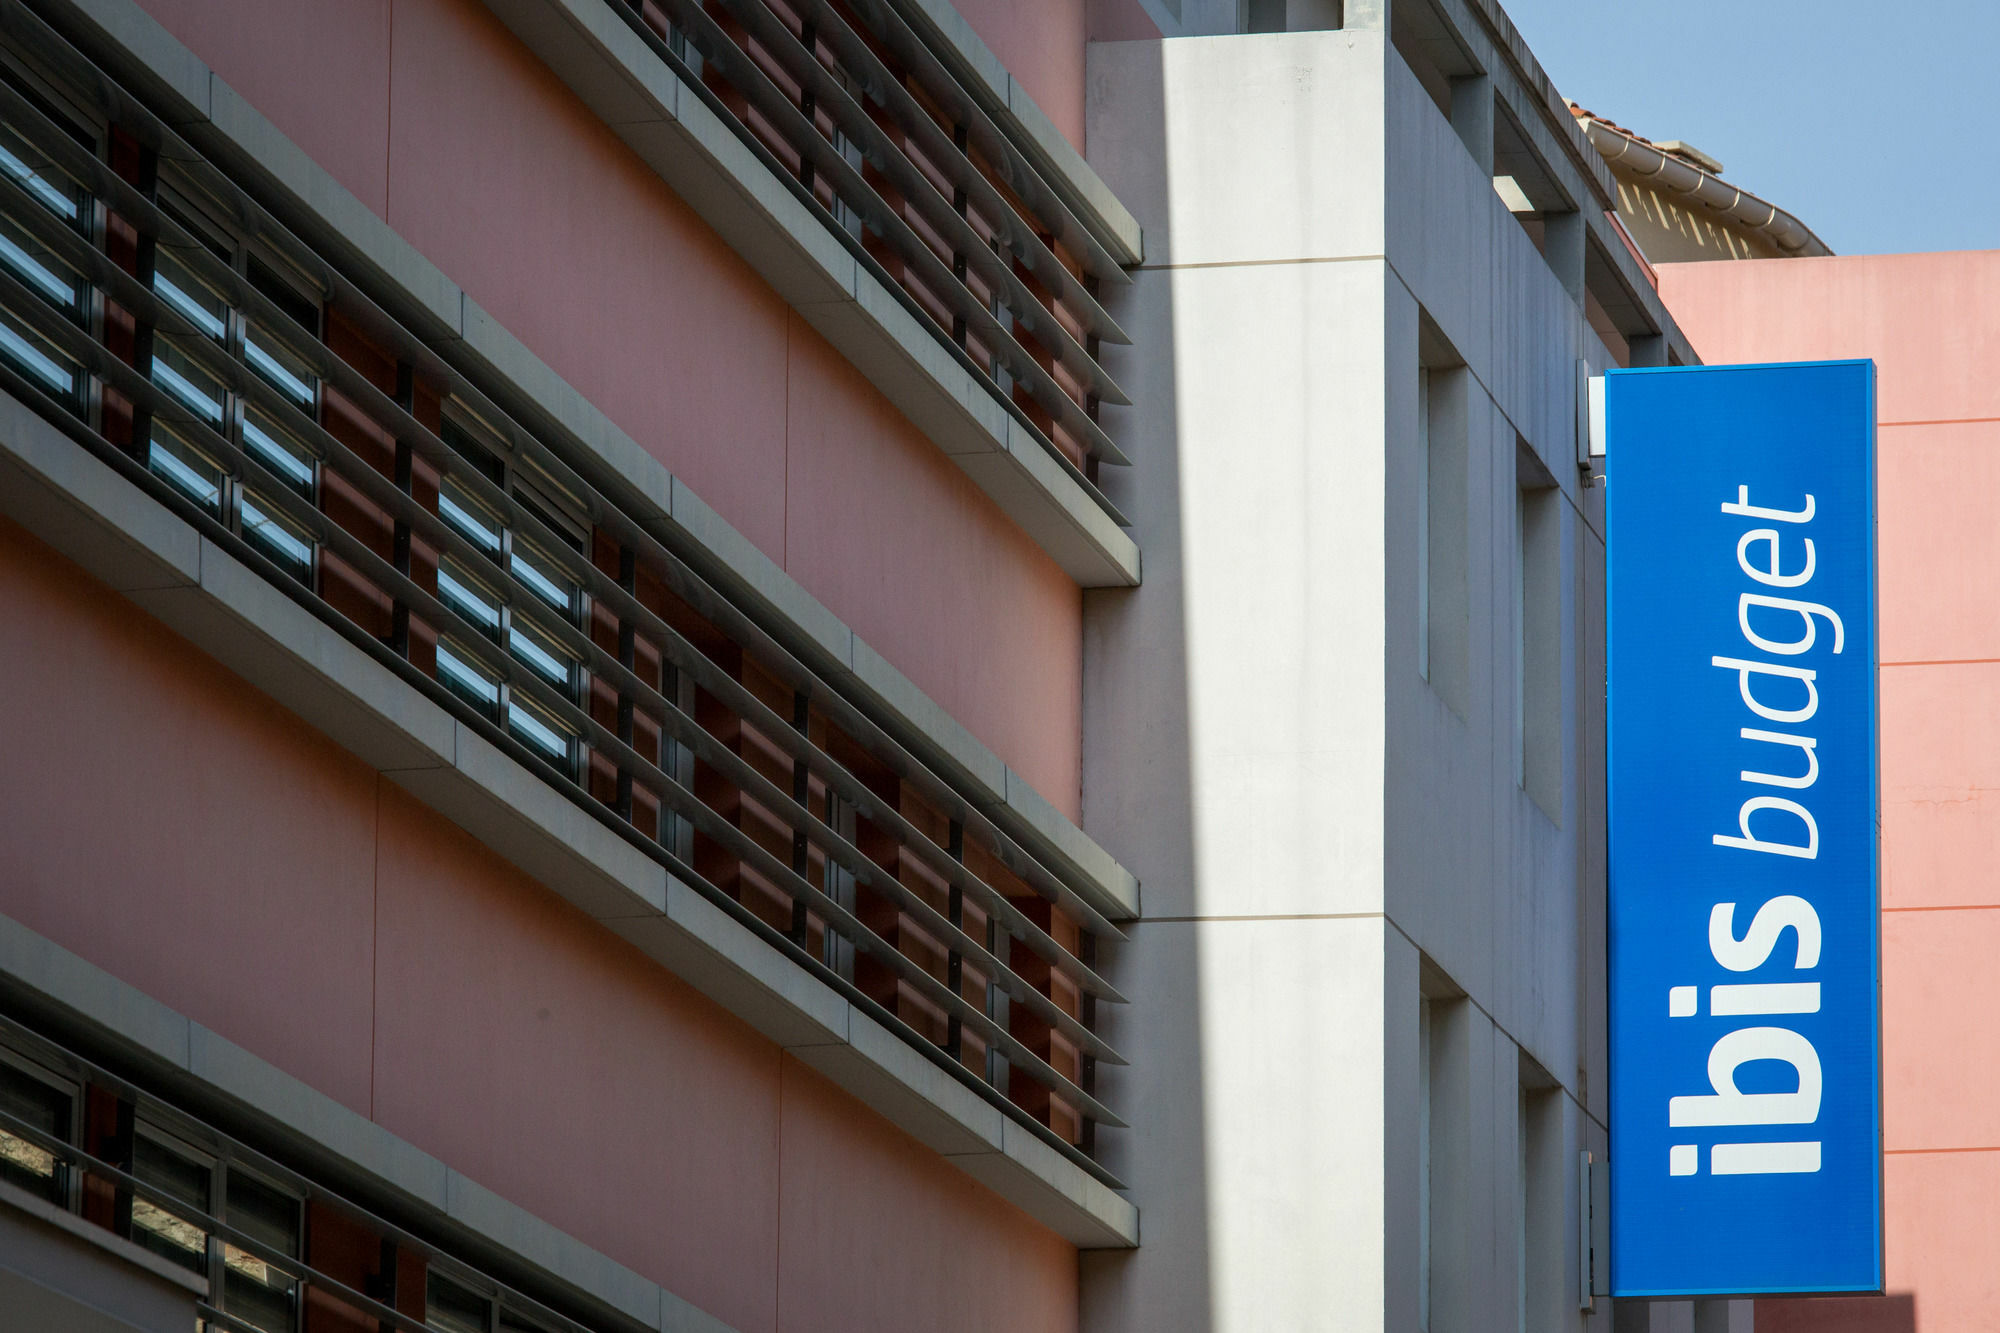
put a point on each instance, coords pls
(1932, 324)
(168, 823)
(437, 118)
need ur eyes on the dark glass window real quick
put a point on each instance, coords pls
(42, 1106)
(450, 1308)
(160, 1229)
(253, 1289)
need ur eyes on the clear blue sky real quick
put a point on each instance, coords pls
(1872, 121)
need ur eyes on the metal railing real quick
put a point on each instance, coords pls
(641, 691)
(846, 103)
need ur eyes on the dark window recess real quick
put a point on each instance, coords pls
(475, 453)
(253, 1289)
(45, 1108)
(284, 294)
(157, 1228)
(450, 1308)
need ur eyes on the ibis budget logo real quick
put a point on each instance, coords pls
(1778, 947)
(1741, 925)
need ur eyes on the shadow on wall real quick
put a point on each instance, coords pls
(1138, 797)
(1894, 1313)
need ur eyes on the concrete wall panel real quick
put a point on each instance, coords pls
(179, 829)
(171, 824)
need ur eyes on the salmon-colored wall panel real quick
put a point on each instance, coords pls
(1941, 1234)
(1041, 42)
(530, 1048)
(296, 61)
(862, 1201)
(522, 196)
(1940, 784)
(177, 828)
(1936, 491)
(1927, 320)
(927, 569)
(1940, 1026)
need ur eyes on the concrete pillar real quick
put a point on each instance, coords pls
(1472, 117)
(1562, 245)
(1725, 1316)
(1648, 349)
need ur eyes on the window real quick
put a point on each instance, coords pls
(1445, 394)
(1538, 633)
(253, 1289)
(190, 279)
(1424, 522)
(40, 201)
(450, 1308)
(1540, 1248)
(1423, 1165)
(44, 1103)
(524, 594)
(181, 1174)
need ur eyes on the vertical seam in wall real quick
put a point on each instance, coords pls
(778, 1204)
(388, 110)
(785, 499)
(374, 943)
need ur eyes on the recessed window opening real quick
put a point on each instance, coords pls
(1538, 633)
(455, 666)
(42, 1101)
(39, 359)
(40, 267)
(183, 1174)
(1443, 613)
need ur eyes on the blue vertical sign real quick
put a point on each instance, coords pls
(1745, 1065)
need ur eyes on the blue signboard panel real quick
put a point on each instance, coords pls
(1745, 1078)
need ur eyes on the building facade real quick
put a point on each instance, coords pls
(611, 602)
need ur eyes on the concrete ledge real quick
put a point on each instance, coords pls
(1027, 815)
(58, 491)
(1092, 1216)
(18, 1200)
(248, 624)
(251, 626)
(531, 824)
(913, 1094)
(239, 137)
(485, 1213)
(718, 956)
